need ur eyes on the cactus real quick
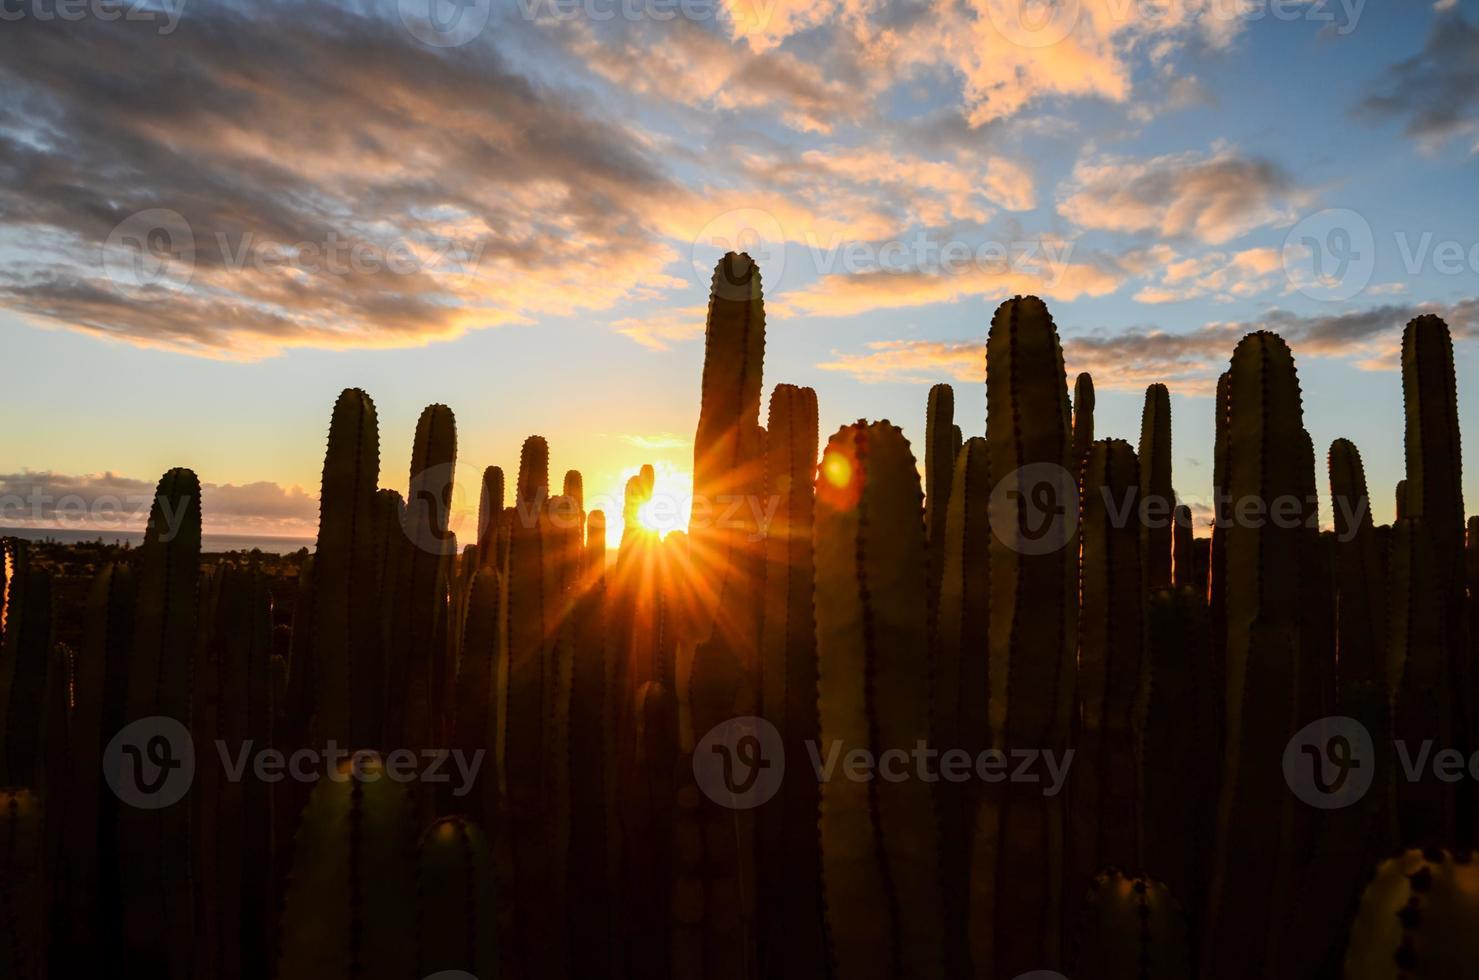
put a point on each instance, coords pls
(1435, 494)
(595, 547)
(24, 665)
(1104, 828)
(1419, 679)
(419, 671)
(1083, 415)
(788, 850)
(348, 663)
(1183, 548)
(476, 717)
(1221, 518)
(939, 462)
(879, 845)
(23, 885)
(155, 861)
(1361, 595)
(1417, 919)
(960, 681)
(455, 911)
(88, 934)
(490, 509)
(1157, 498)
(1181, 745)
(1251, 863)
(348, 912)
(234, 871)
(1131, 929)
(1017, 863)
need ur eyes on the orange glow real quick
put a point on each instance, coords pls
(837, 468)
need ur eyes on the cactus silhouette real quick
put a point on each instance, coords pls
(879, 846)
(1157, 498)
(1083, 415)
(24, 669)
(1131, 928)
(1416, 919)
(939, 462)
(1017, 860)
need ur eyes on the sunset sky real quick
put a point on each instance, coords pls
(536, 199)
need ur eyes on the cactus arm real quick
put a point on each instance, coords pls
(1157, 497)
(1083, 415)
(939, 462)
(490, 508)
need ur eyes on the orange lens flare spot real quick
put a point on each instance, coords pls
(837, 470)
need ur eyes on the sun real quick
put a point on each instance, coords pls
(666, 512)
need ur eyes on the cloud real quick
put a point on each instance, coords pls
(1435, 92)
(1217, 275)
(109, 501)
(1212, 198)
(1187, 362)
(339, 183)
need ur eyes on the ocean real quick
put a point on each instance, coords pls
(211, 543)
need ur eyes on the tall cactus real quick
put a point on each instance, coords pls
(1105, 808)
(349, 909)
(879, 845)
(1419, 679)
(787, 849)
(1361, 594)
(960, 682)
(1252, 861)
(1017, 863)
(1183, 548)
(1131, 928)
(1435, 494)
(1083, 415)
(1157, 498)
(155, 863)
(421, 670)
(348, 665)
(939, 462)
(455, 901)
(490, 511)
(476, 717)
(1417, 919)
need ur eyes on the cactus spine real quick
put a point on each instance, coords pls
(1416, 919)
(1131, 929)
(1157, 498)
(879, 845)
(1018, 868)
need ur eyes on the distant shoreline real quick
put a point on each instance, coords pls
(210, 543)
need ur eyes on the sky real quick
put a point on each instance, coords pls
(214, 216)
